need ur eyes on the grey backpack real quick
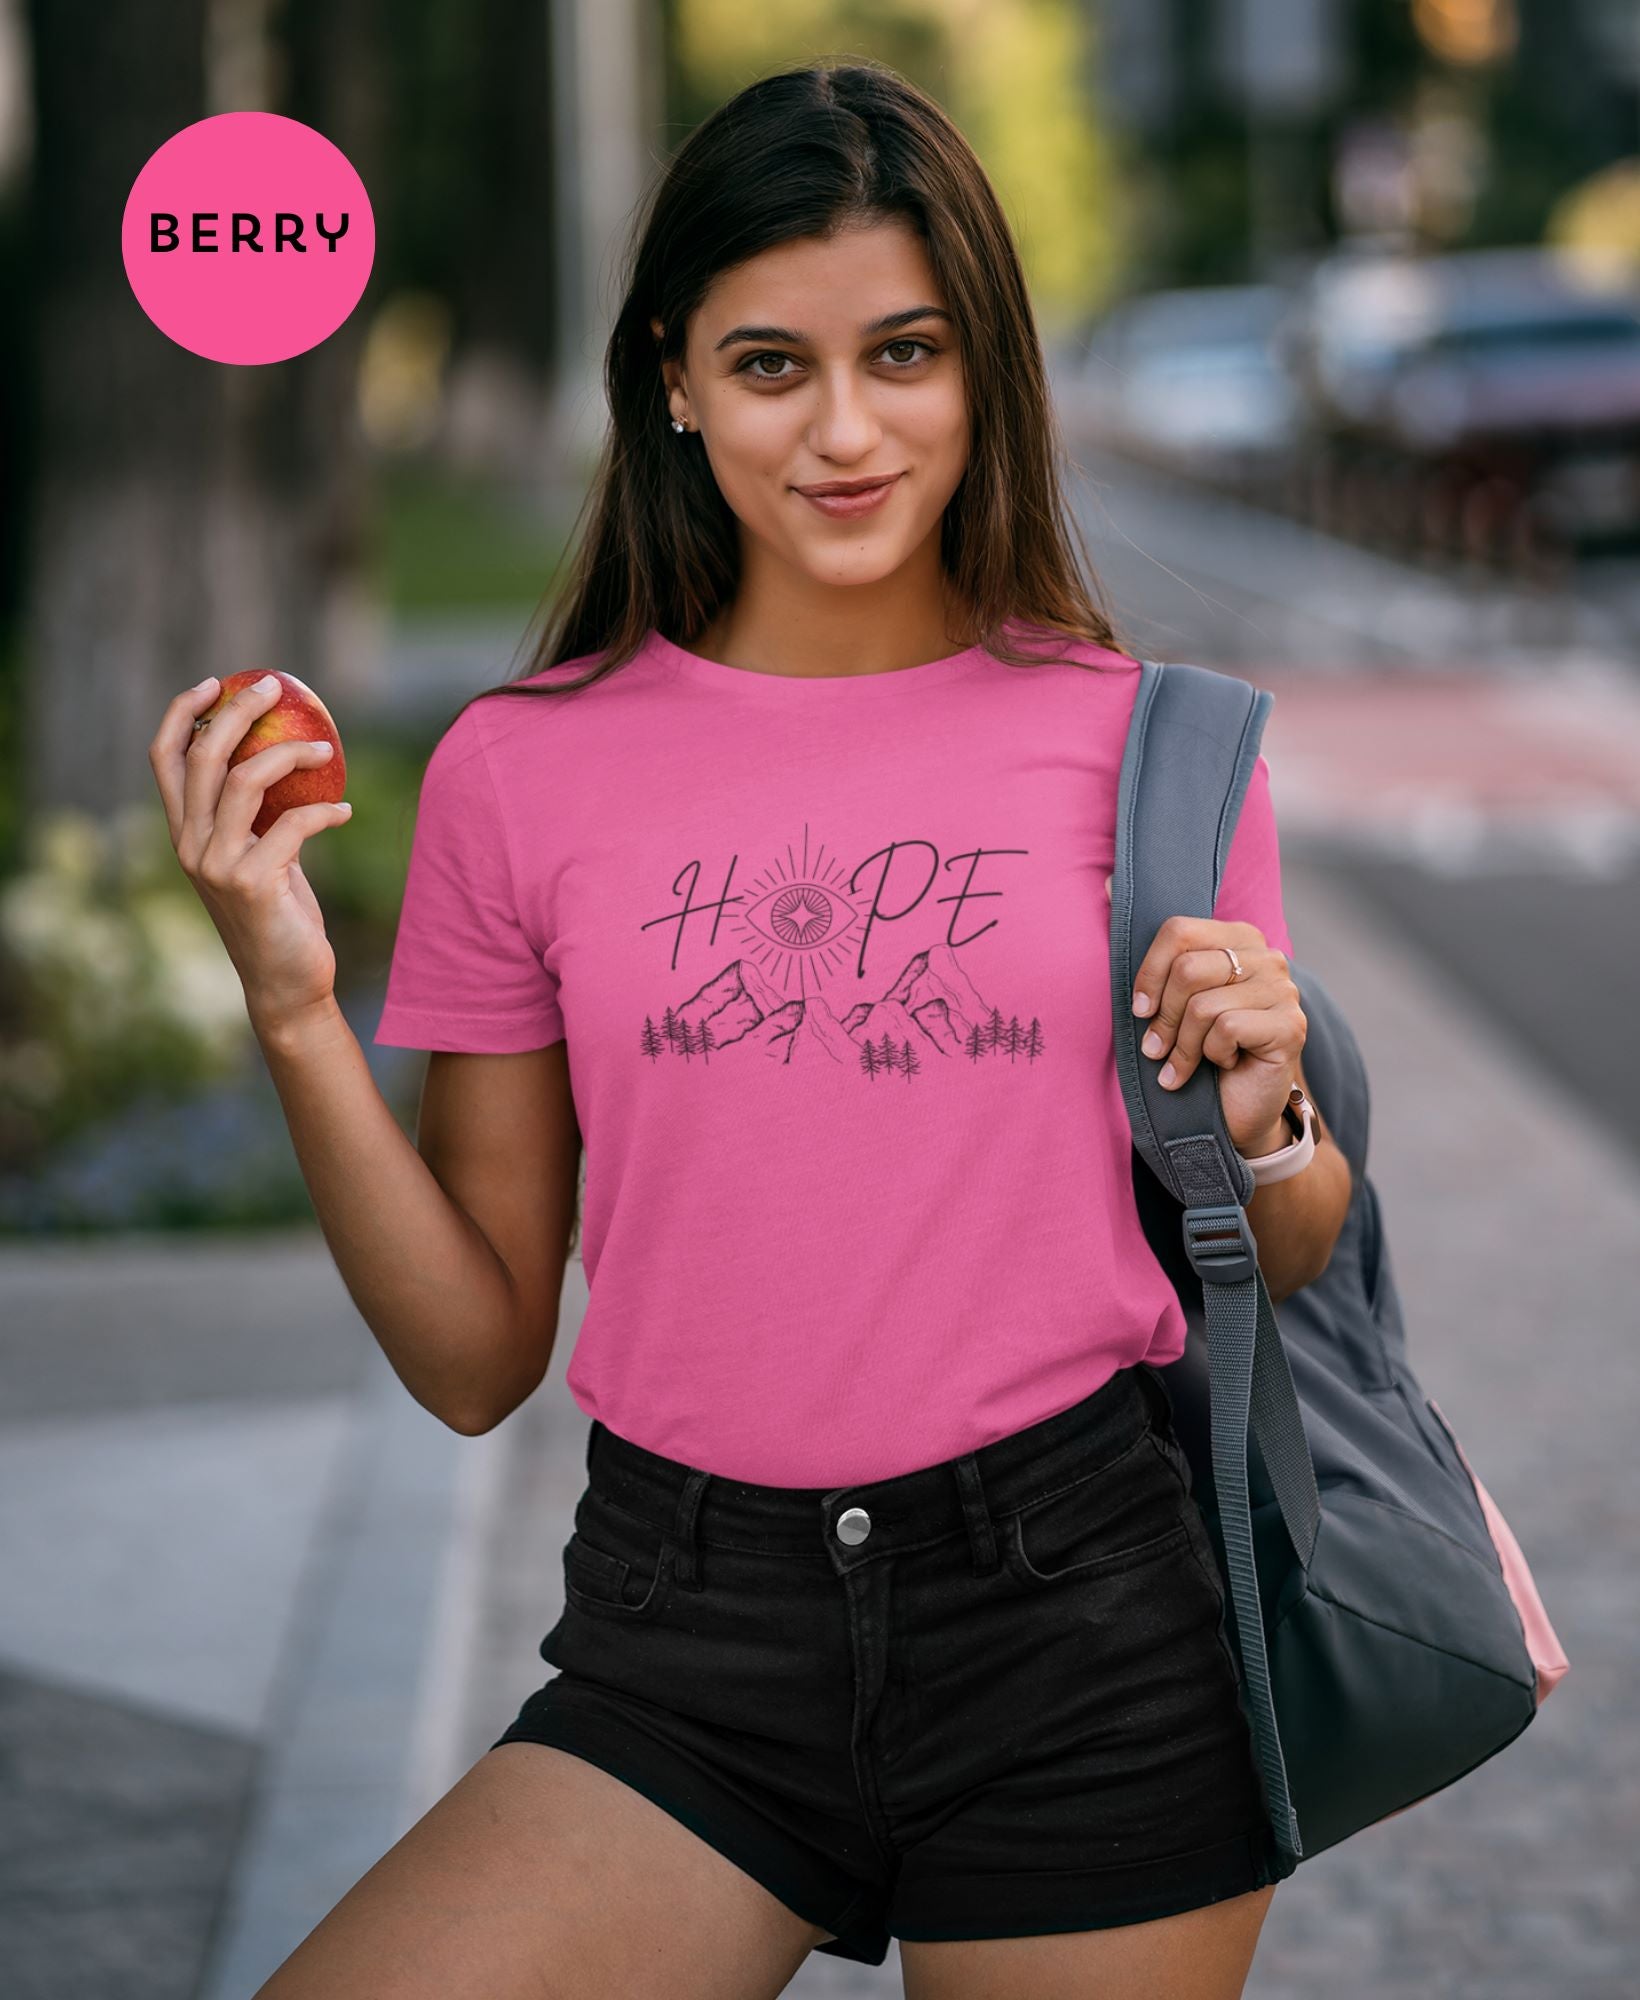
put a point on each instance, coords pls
(1387, 1630)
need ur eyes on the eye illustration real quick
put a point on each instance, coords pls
(800, 915)
(799, 918)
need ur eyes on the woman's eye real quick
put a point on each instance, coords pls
(751, 365)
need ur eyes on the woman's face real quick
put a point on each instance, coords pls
(793, 381)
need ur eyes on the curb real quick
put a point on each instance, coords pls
(364, 1719)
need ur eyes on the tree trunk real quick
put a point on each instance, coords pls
(114, 588)
(189, 517)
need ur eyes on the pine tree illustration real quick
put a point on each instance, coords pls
(993, 1035)
(1033, 1039)
(910, 1061)
(686, 1037)
(1015, 1035)
(706, 1043)
(651, 1039)
(669, 1025)
(868, 1059)
(888, 1050)
(975, 1045)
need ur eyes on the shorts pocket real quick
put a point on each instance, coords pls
(1124, 1514)
(1213, 1584)
(615, 1563)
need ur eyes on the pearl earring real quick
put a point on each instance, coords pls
(677, 426)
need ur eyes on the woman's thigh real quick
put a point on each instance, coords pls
(541, 1877)
(1200, 1954)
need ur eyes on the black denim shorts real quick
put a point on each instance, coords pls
(990, 1698)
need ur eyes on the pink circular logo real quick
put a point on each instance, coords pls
(248, 237)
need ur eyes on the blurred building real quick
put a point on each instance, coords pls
(1240, 87)
(1266, 129)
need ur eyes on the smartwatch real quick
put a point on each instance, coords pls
(1297, 1154)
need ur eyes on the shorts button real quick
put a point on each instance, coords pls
(853, 1525)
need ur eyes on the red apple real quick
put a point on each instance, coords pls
(298, 714)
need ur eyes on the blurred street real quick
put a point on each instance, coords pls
(262, 1610)
(1464, 755)
(1340, 310)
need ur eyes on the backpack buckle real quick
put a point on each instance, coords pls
(1220, 1244)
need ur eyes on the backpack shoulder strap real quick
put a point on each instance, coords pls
(1191, 745)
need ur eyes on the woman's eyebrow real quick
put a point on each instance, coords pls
(886, 324)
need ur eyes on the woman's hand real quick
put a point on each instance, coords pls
(1254, 1030)
(253, 889)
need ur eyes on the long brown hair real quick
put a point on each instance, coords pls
(800, 155)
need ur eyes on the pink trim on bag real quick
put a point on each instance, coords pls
(1548, 1655)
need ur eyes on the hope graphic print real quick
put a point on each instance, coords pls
(800, 928)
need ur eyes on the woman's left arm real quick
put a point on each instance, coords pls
(1295, 1222)
(1254, 1031)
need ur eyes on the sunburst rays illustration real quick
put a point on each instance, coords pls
(798, 919)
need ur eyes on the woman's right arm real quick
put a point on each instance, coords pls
(452, 1249)
(454, 1253)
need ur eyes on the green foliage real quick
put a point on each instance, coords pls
(357, 869)
(458, 544)
(114, 983)
(1015, 75)
(114, 977)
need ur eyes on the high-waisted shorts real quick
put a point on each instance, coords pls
(989, 1698)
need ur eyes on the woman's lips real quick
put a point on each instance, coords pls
(850, 506)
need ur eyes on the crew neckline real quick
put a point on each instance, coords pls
(808, 687)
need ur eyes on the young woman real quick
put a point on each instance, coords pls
(780, 882)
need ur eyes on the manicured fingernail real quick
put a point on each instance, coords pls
(268, 684)
(1141, 1004)
(1152, 1044)
(208, 682)
(1168, 1077)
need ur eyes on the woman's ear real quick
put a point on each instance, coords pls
(672, 385)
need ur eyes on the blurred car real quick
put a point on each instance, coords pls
(1548, 391)
(1191, 379)
(1514, 373)
(1354, 318)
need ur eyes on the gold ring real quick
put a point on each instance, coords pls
(1237, 969)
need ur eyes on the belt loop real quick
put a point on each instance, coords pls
(685, 1542)
(976, 1513)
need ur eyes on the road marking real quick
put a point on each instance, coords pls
(1462, 769)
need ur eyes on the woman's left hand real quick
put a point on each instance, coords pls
(1253, 1030)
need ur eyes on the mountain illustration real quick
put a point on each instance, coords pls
(936, 975)
(806, 1030)
(933, 995)
(888, 1017)
(736, 1001)
(933, 1005)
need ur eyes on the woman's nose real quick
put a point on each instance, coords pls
(844, 427)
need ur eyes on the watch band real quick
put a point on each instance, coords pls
(1297, 1154)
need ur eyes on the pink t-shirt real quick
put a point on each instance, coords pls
(832, 960)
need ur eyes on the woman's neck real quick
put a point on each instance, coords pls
(788, 642)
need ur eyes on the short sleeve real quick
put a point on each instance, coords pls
(464, 975)
(1250, 889)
